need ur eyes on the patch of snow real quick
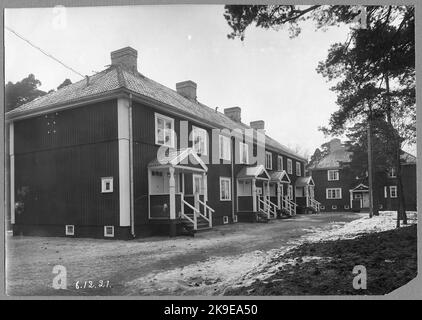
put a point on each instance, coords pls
(213, 276)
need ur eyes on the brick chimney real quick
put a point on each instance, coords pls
(257, 125)
(126, 58)
(187, 89)
(233, 113)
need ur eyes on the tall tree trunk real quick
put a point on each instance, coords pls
(401, 211)
(370, 173)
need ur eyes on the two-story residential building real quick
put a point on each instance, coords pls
(118, 155)
(338, 189)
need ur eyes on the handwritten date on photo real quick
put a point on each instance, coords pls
(92, 284)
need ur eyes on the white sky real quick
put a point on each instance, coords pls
(270, 76)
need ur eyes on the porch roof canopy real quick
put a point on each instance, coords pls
(360, 188)
(305, 181)
(279, 176)
(254, 172)
(174, 159)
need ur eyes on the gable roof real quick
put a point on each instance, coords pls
(116, 79)
(253, 172)
(304, 181)
(339, 155)
(175, 157)
(280, 176)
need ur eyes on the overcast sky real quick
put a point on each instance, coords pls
(270, 76)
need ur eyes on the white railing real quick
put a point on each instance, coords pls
(194, 221)
(208, 211)
(272, 208)
(288, 205)
(264, 207)
(314, 204)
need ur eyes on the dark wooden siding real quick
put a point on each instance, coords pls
(58, 175)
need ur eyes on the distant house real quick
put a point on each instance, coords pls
(338, 189)
(84, 161)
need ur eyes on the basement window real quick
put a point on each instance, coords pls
(235, 218)
(109, 231)
(322, 207)
(70, 230)
(334, 207)
(346, 207)
(106, 184)
(225, 220)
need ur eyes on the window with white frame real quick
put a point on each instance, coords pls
(322, 207)
(385, 192)
(393, 191)
(106, 184)
(109, 231)
(164, 130)
(225, 219)
(289, 166)
(244, 153)
(298, 169)
(392, 173)
(235, 218)
(225, 148)
(70, 230)
(200, 141)
(333, 175)
(225, 189)
(333, 193)
(198, 184)
(280, 163)
(244, 188)
(273, 190)
(334, 207)
(268, 160)
(347, 207)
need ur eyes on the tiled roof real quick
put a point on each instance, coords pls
(115, 77)
(341, 155)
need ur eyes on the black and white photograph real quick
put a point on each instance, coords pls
(210, 150)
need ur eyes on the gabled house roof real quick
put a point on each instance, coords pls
(339, 155)
(116, 79)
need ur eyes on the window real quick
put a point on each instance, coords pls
(225, 189)
(333, 193)
(289, 166)
(235, 218)
(346, 207)
(225, 148)
(392, 173)
(244, 153)
(109, 231)
(198, 185)
(268, 160)
(225, 219)
(334, 207)
(298, 169)
(70, 230)
(244, 188)
(333, 175)
(164, 130)
(280, 163)
(273, 190)
(199, 138)
(385, 192)
(106, 184)
(393, 191)
(322, 207)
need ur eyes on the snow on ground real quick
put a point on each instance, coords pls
(214, 275)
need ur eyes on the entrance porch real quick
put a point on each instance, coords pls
(305, 194)
(178, 192)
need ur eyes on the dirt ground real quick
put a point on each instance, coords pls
(207, 264)
(325, 268)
